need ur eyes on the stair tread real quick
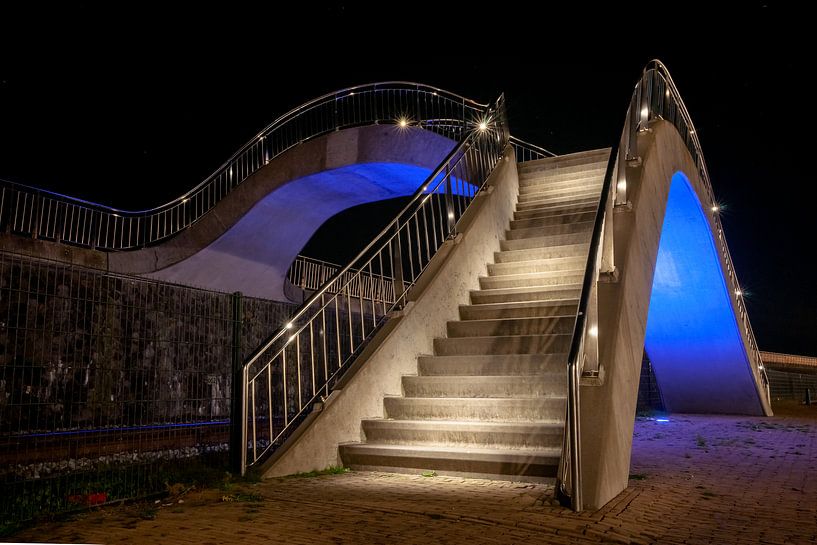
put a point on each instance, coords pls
(467, 451)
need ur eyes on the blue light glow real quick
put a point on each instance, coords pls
(662, 419)
(692, 337)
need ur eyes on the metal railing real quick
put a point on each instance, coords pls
(42, 214)
(310, 274)
(525, 151)
(299, 365)
(655, 97)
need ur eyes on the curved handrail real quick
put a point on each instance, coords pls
(401, 252)
(655, 97)
(50, 215)
(525, 151)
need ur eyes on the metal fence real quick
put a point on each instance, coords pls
(36, 213)
(792, 385)
(109, 381)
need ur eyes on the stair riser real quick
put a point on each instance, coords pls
(549, 204)
(545, 279)
(526, 326)
(548, 438)
(496, 365)
(545, 242)
(538, 183)
(553, 220)
(535, 470)
(484, 410)
(550, 230)
(568, 251)
(483, 387)
(540, 344)
(533, 179)
(478, 298)
(478, 312)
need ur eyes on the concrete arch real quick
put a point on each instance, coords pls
(607, 409)
(247, 242)
(693, 337)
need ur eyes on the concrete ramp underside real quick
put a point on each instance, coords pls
(249, 240)
(254, 254)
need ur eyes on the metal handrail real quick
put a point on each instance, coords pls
(525, 151)
(39, 213)
(309, 273)
(655, 97)
(401, 251)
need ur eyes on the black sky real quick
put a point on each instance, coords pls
(133, 105)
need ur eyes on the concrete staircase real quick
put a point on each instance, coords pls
(490, 402)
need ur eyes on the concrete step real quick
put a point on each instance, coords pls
(549, 230)
(462, 462)
(526, 309)
(538, 265)
(486, 409)
(545, 242)
(554, 219)
(556, 210)
(511, 326)
(527, 293)
(507, 344)
(508, 364)
(533, 178)
(580, 157)
(579, 192)
(549, 278)
(515, 435)
(566, 251)
(528, 169)
(548, 204)
(485, 386)
(545, 183)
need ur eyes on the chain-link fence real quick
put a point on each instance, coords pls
(108, 382)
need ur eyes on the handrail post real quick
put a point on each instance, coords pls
(397, 264)
(575, 439)
(238, 445)
(449, 201)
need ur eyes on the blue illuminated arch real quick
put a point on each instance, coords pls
(692, 338)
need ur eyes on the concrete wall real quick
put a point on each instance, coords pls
(394, 351)
(607, 411)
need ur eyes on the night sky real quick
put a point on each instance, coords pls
(131, 108)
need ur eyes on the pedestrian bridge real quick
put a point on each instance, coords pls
(494, 327)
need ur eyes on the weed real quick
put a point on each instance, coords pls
(429, 473)
(331, 470)
(638, 476)
(700, 440)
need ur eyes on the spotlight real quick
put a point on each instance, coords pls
(403, 122)
(483, 125)
(593, 331)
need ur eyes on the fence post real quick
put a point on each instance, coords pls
(237, 394)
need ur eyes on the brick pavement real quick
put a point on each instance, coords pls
(694, 479)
